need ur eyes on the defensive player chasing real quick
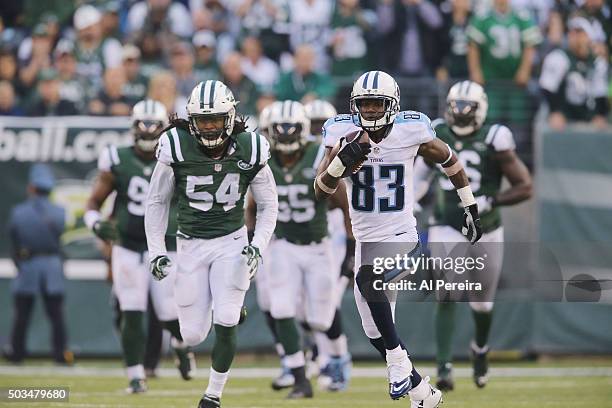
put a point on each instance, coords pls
(127, 171)
(301, 272)
(343, 250)
(284, 379)
(319, 111)
(378, 143)
(208, 162)
(487, 154)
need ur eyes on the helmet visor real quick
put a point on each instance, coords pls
(286, 136)
(462, 113)
(209, 126)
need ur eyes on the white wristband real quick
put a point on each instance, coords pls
(91, 217)
(466, 196)
(336, 168)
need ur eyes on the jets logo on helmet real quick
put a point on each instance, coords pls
(289, 127)
(318, 111)
(379, 87)
(211, 110)
(149, 118)
(466, 107)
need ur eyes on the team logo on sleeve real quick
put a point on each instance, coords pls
(244, 165)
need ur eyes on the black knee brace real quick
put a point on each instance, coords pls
(367, 281)
(335, 330)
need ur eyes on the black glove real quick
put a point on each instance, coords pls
(348, 264)
(353, 154)
(105, 230)
(471, 223)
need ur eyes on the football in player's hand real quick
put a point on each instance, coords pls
(361, 149)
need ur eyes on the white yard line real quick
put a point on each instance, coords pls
(357, 372)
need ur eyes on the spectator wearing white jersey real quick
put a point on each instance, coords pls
(94, 53)
(160, 15)
(256, 66)
(310, 24)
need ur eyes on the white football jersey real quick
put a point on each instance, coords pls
(381, 194)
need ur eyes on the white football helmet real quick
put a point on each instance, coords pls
(211, 100)
(318, 111)
(289, 126)
(264, 118)
(375, 85)
(466, 107)
(149, 118)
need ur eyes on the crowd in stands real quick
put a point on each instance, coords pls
(100, 57)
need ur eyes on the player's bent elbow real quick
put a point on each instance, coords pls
(527, 190)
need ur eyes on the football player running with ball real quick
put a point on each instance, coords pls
(374, 149)
(487, 153)
(208, 162)
(127, 171)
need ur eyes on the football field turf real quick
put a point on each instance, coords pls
(512, 386)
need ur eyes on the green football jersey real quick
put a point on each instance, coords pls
(476, 154)
(301, 218)
(502, 39)
(132, 175)
(210, 192)
(576, 82)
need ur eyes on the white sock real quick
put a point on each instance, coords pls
(295, 360)
(338, 347)
(216, 382)
(397, 354)
(136, 372)
(322, 342)
(280, 350)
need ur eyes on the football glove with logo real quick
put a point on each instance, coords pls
(471, 223)
(160, 266)
(253, 257)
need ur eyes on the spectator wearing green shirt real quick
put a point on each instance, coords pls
(574, 80)
(500, 56)
(348, 45)
(205, 44)
(135, 87)
(72, 86)
(303, 83)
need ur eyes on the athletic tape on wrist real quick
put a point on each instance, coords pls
(91, 217)
(452, 169)
(324, 187)
(336, 168)
(466, 196)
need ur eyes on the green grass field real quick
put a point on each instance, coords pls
(574, 384)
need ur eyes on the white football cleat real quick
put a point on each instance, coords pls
(399, 370)
(425, 395)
